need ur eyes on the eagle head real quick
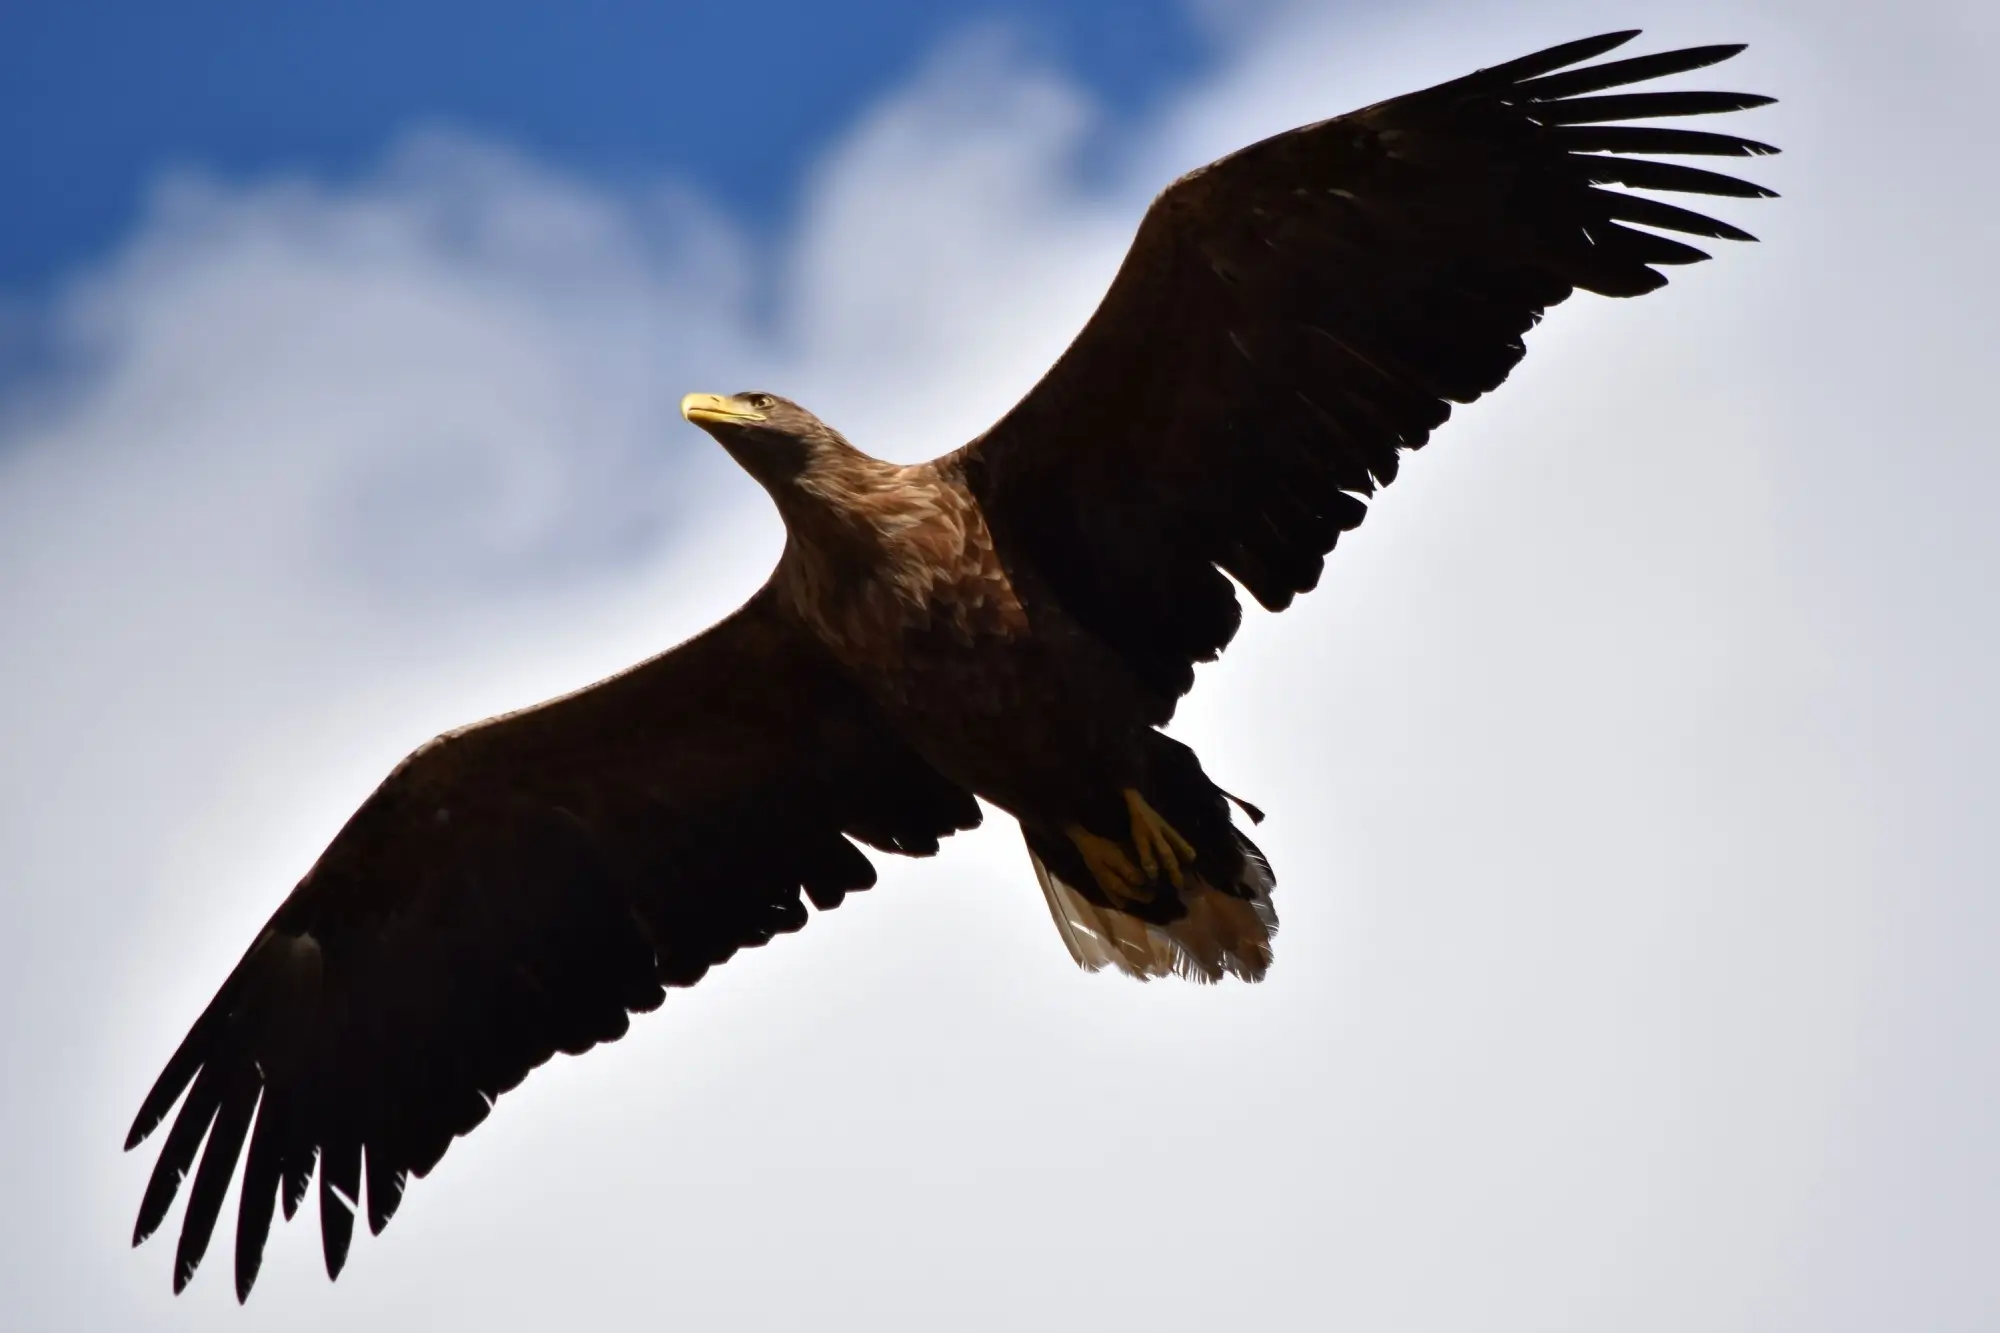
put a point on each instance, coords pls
(773, 438)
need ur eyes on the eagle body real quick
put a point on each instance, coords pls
(1014, 621)
(896, 573)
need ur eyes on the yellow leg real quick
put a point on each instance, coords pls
(1114, 872)
(1159, 844)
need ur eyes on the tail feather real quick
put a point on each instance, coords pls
(1220, 934)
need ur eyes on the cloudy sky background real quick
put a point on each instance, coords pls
(1631, 777)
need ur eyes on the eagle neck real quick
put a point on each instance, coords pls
(866, 546)
(840, 513)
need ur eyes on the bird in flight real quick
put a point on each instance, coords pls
(1012, 622)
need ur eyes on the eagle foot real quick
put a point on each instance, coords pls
(1159, 844)
(1114, 872)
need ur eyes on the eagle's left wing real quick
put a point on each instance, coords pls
(1291, 317)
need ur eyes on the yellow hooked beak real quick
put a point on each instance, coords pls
(708, 409)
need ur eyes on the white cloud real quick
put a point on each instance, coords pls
(1628, 777)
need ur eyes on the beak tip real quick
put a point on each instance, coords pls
(706, 409)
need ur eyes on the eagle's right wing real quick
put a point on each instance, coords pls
(513, 889)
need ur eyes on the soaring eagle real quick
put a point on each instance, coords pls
(1012, 622)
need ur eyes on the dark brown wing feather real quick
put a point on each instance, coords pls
(515, 889)
(1294, 315)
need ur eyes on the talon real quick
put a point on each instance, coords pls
(1159, 844)
(1114, 872)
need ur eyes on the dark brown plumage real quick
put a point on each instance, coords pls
(1012, 621)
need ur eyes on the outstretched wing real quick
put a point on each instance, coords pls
(1292, 316)
(512, 890)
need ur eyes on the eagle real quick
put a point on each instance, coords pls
(1012, 622)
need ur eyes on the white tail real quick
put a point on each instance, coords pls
(1220, 933)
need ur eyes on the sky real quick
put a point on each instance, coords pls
(740, 97)
(1630, 777)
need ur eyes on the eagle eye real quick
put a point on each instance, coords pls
(760, 401)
